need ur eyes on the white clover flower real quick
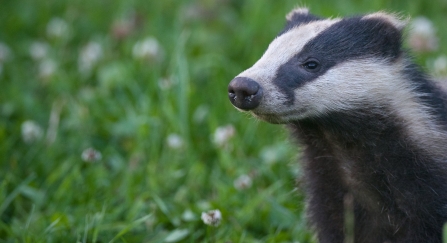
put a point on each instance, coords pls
(174, 141)
(89, 57)
(148, 49)
(422, 35)
(200, 114)
(165, 83)
(31, 132)
(91, 155)
(270, 154)
(440, 66)
(5, 53)
(58, 28)
(223, 134)
(212, 217)
(188, 215)
(47, 68)
(38, 50)
(242, 182)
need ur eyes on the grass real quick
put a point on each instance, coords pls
(153, 117)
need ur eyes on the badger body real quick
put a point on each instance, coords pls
(372, 127)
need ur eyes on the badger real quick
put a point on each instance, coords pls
(370, 125)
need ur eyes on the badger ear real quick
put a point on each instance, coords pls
(382, 33)
(298, 16)
(392, 19)
(297, 12)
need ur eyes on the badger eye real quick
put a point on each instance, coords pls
(312, 65)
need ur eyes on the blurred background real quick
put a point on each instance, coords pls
(115, 124)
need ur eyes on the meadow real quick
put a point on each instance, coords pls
(115, 125)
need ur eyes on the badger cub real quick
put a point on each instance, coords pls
(372, 126)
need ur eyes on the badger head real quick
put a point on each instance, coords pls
(316, 66)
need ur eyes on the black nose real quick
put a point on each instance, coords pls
(244, 93)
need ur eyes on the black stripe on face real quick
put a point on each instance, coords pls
(348, 39)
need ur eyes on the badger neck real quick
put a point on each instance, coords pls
(362, 129)
(372, 132)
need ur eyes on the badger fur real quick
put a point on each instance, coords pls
(372, 126)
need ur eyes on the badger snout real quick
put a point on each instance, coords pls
(245, 93)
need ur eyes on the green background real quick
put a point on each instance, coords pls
(142, 189)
